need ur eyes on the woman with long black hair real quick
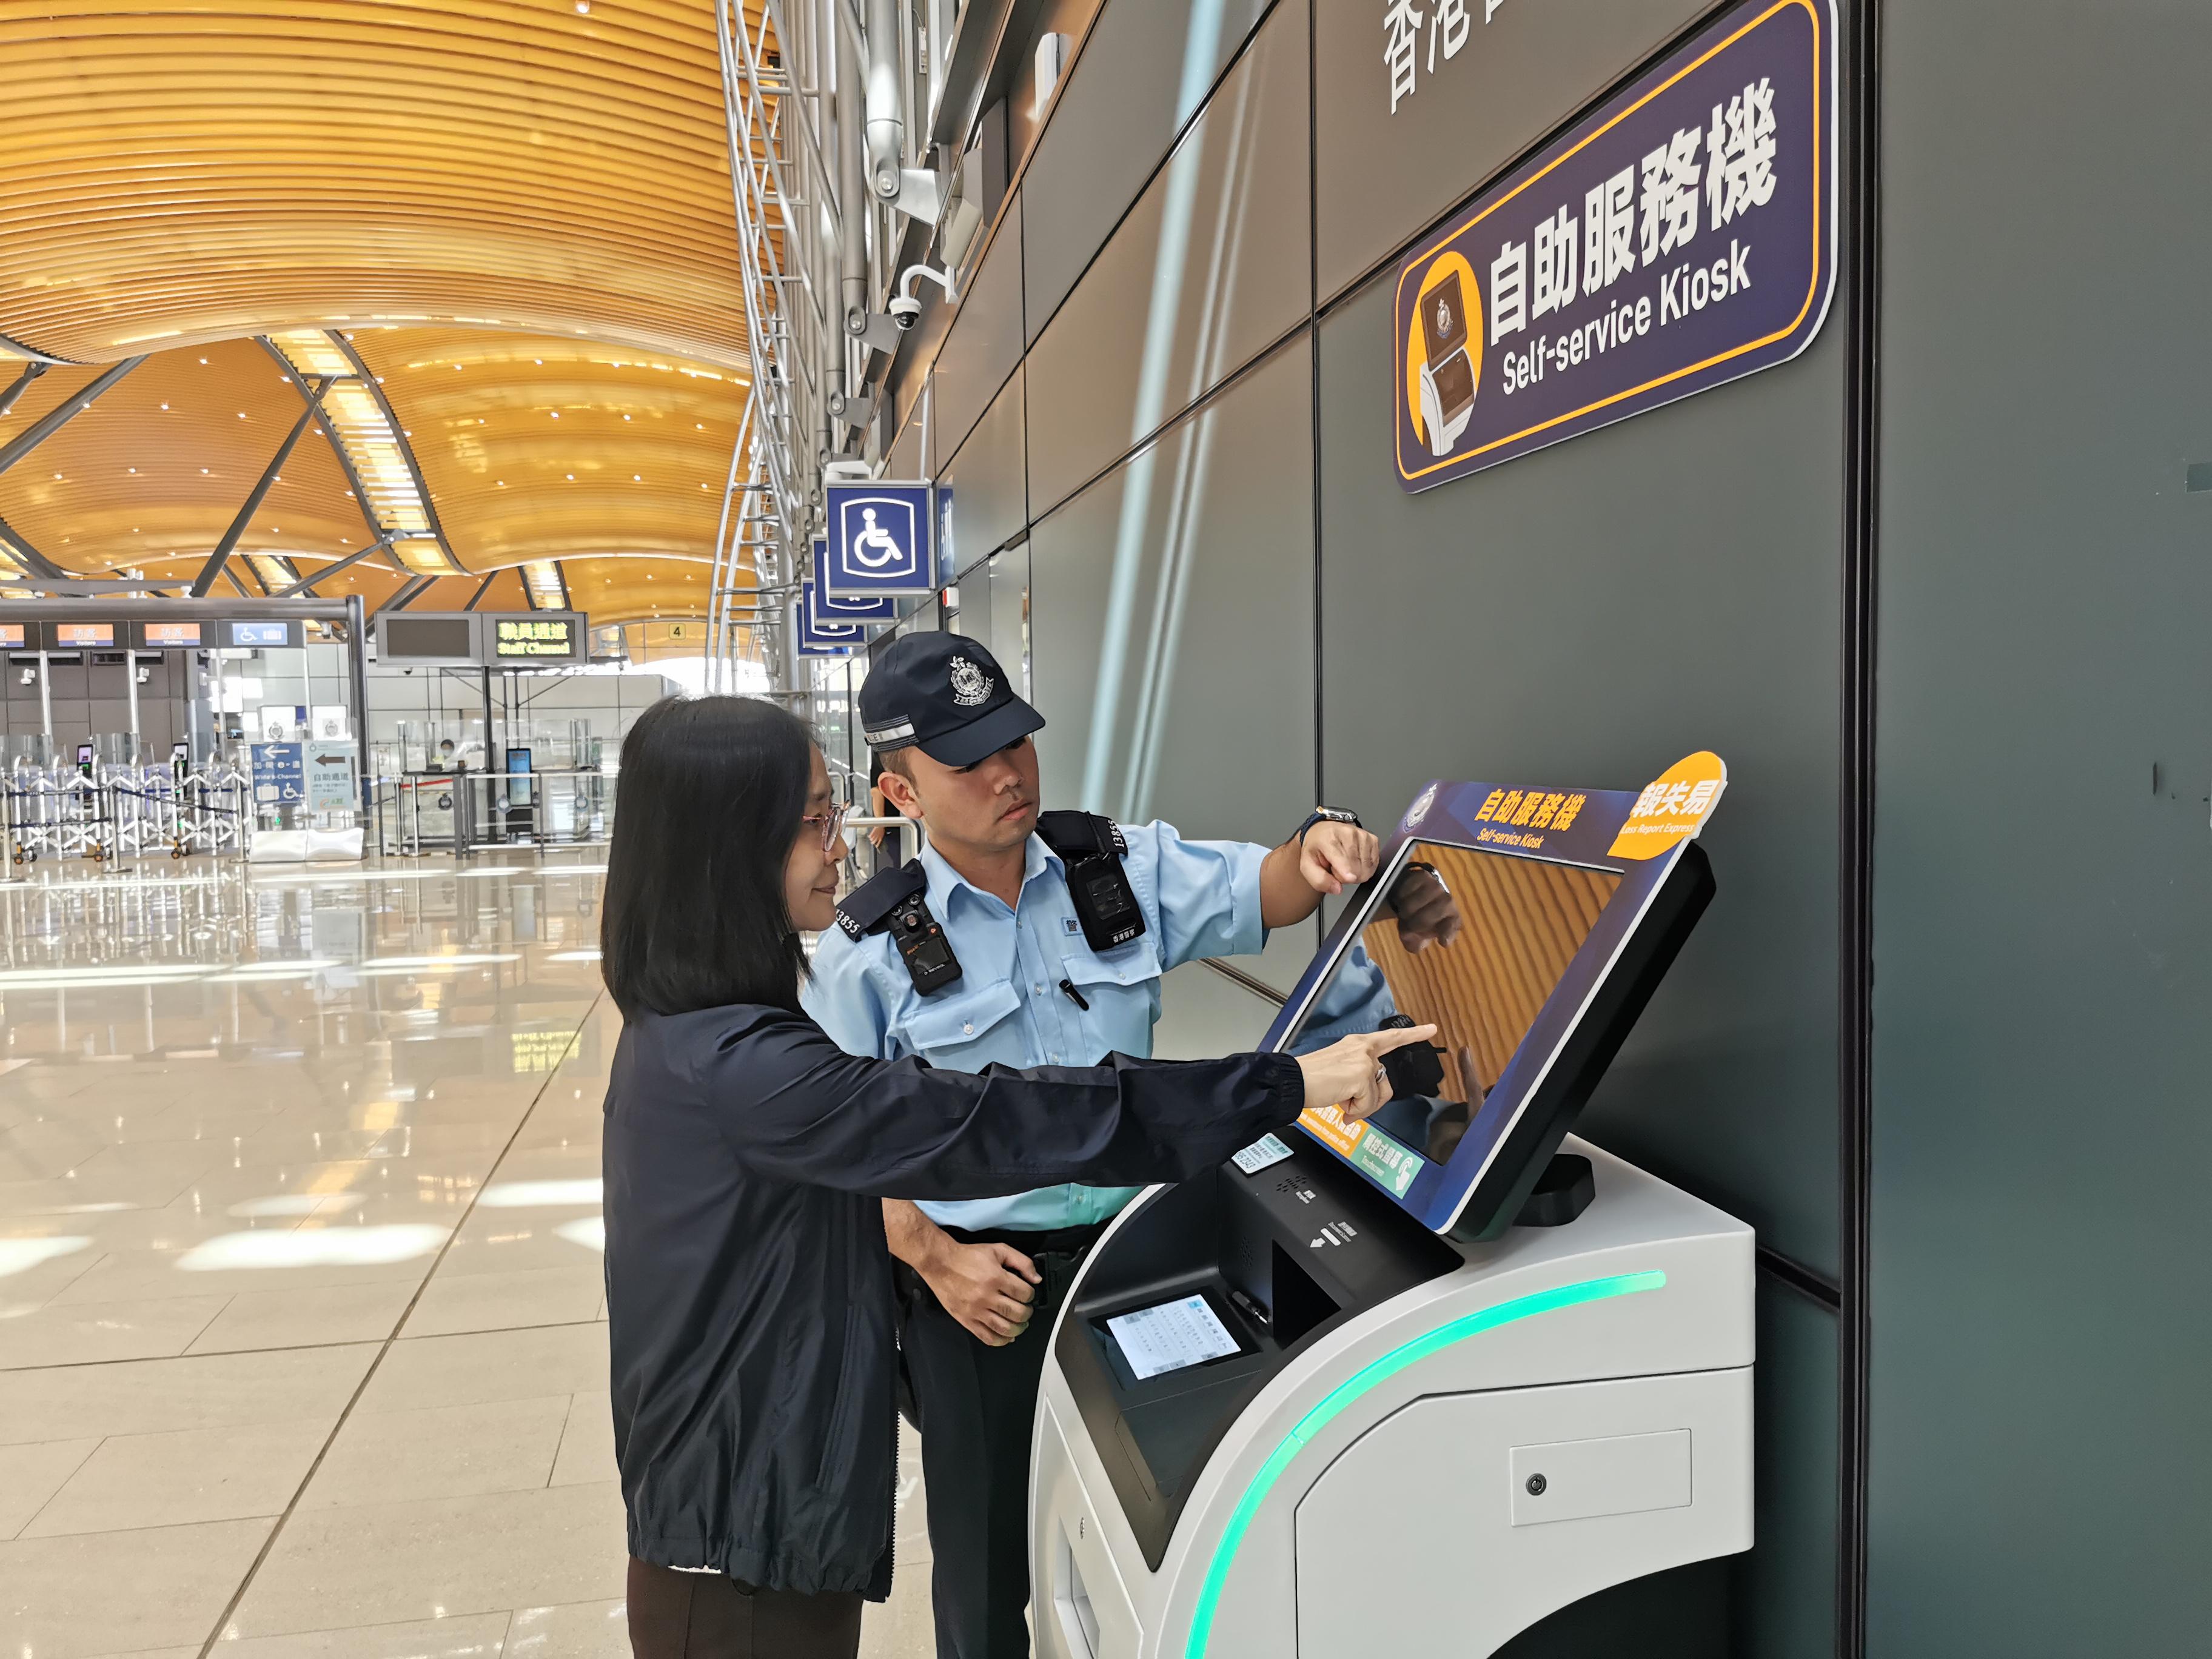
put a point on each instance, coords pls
(749, 1286)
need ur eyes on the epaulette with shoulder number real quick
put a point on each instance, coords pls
(869, 906)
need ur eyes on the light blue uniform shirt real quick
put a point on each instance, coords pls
(1200, 898)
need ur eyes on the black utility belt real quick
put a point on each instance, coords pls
(1059, 1241)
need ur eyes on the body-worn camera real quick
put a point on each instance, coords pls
(1092, 847)
(922, 945)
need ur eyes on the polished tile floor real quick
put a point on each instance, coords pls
(302, 1334)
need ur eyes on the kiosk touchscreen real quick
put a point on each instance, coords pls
(1414, 1384)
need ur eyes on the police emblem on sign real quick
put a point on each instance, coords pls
(970, 684)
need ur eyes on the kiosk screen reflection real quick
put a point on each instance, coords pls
(1475, 942)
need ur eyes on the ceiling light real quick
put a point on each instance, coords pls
(203, 360)
(134, 469)
(557, 414)
(625, 418)
(501, 482)
(572, 478)
(583, 8)
(637, 478)
(165, 405)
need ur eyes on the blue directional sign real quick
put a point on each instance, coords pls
(832, 609)
(882, 539)
(821, 639)
(279, 774)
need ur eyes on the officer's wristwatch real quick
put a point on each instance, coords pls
(1327, 815)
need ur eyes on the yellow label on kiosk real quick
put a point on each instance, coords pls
(1327, 1125)
(1673, 808)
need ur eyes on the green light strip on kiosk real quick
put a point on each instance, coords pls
(1370, 1377)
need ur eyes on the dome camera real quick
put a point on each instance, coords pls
(906, 311)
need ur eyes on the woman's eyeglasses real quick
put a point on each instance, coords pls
(831, 822)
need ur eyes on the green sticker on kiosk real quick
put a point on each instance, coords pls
(1384, 1159)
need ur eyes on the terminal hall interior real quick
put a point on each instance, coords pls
(1709, 494)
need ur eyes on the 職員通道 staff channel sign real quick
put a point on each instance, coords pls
(829, 610)
(818, 639)
(1680, 236)
(881, 540)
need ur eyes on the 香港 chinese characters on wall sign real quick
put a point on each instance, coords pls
(1680, 236)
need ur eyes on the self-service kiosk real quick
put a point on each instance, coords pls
(1410, 1386)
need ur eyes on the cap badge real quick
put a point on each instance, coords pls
(970, 684)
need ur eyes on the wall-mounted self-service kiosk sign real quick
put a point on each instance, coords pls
(1414, 1385)
(1680, 235)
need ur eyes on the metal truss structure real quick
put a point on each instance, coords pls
(827, 175)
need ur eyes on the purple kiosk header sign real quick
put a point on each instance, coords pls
(1680, 236)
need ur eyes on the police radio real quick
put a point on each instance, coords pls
(1092, 849)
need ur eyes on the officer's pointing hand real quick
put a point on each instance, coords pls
(1336, 856)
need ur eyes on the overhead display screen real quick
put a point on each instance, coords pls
(11, 636)
(260, 636)
(1529, 925)
(156, 636)
(522, 639)
(447, 637)
(84, 633)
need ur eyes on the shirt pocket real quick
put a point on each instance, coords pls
(970, 1028)
(1123, 989)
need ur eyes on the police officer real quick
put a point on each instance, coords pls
(1025, 939)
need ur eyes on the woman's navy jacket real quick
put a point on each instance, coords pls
(749, 1286)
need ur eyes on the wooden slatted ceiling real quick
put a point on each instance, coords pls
(153, 472)
(174, 175)
(152, 475)
(610, 460)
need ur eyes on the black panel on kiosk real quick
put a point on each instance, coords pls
(1531, 925)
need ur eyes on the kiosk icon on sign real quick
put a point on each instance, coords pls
(880, 537)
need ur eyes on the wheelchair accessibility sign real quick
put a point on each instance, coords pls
(880, 539)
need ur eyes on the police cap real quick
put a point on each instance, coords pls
(945, 694)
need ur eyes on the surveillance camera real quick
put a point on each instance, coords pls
(906, 311)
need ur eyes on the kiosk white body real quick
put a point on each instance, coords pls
(1412, 1385)
(1407, 1524)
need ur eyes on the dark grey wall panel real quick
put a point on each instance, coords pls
(1589, 614)
(905, 458)
(1171, 645)
(1145, 67)
(988, 480)
(985, 342)
(2042, 1477)
(1381, 177)
(1784, 1591)
(1209, 267)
